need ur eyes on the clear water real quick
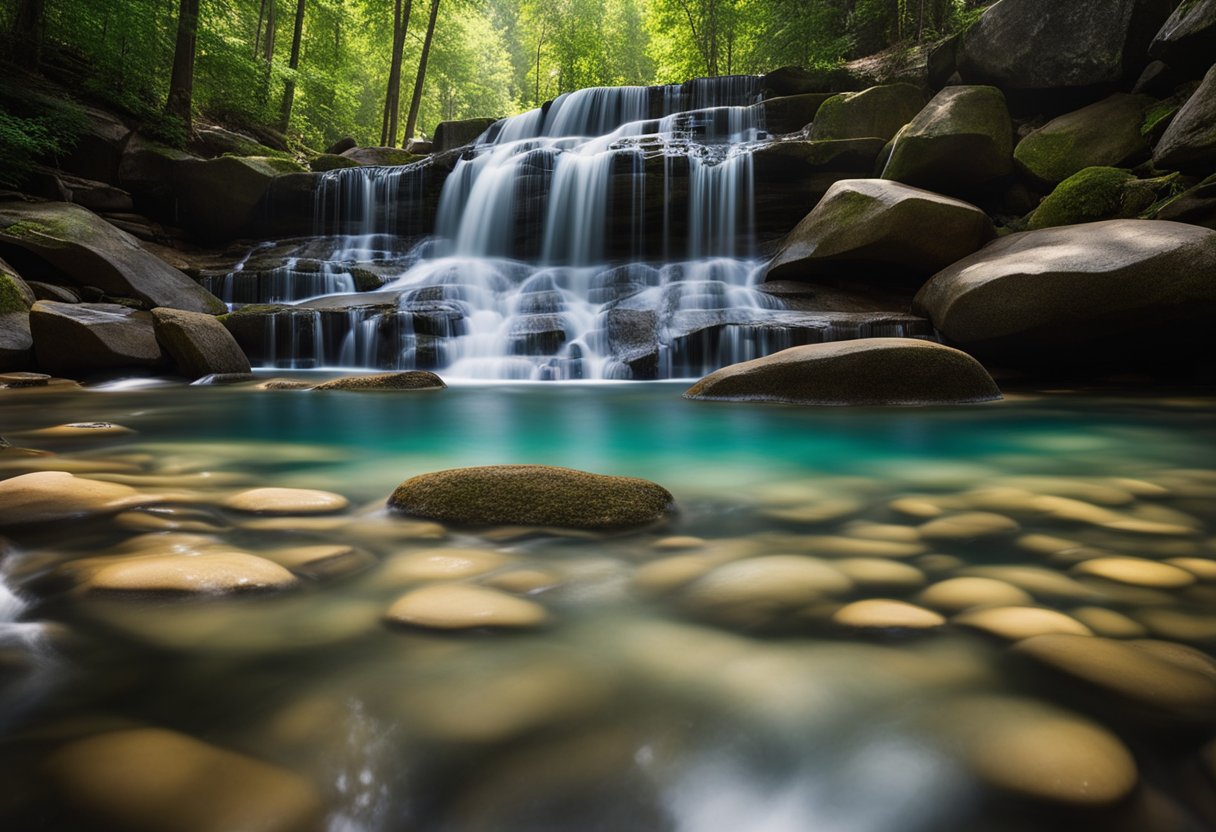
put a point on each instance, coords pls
(633, 709)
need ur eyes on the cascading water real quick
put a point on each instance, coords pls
(609, 234)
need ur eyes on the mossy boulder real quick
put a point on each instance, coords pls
(790, 113)
(1095, 194)
(961, 141)
(866, 371)
(1053, 45)
(380, 156)
(532, 495)
(453, 134)
(1189, 143)
(331, 161)
(16, 341)
(1120, 293)
(409, 380)
(92, 252)
(878, 112)
(894, 229)
(1108, 133)
(1187, 41)
(198, 344)
(73, 339)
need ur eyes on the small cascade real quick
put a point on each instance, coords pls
(608, 234)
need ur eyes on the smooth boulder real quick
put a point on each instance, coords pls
(1096, 194)
(450, 135)
(220, 199)
(408, 380)
(961, 141)
(94, 253)
(878, 112)
(16, 340)
(1187, 41)
(379, 156)
(895, 228)
(76, 338)
(531, 495)
(1103, 134)
(1059, 44)
(1106, 293)
(1189, 143)
(198, 344)
(868, 371)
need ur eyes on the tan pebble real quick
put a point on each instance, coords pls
(155, 780)
(1178, 624)
(677, 542)
(199, 480)
(324, 560)
(776, 580)
(1093, 491)
(57, 495)
(937, 562)
(1202, 568)
(1136, 572)
(1040, 752)
(1045, 544)
(462, 607)
(209, 573)
(78, 430)
(875, 573)
(168, 543)
(666, 574)
(440, 565)
(1139, 488)
(972, 525)
(296, 524)
(825, 511)
(882, 613)
(34, 461)
(1003, 499)
(958, 594)
(395, 531)
(524, 581)
(1180, 654)
(882, 531)
(1038, 580)
(1109, 623)
(166, 520)
(1017, 623)
(918, 507)
(831, 546)
(1162, 689)
(286, 501)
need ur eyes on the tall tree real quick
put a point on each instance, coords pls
(416, 101)
(181, 84)
(29, 27)
(392, 97)
(293, 65)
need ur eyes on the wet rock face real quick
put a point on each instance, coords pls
(532, 495)
(1187, 41)
(1189, 143)
(1028, 299)
(198, 344)
(73, 339)
(871, 371)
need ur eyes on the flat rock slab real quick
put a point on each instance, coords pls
(532, 495)
(72, 338)
(869, 371)
(410, 380)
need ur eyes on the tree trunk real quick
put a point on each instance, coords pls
(392, 97)
(28, 30)
(257, 37)
(181, 83)
(268, 44)
(416, 101)
(289, 88)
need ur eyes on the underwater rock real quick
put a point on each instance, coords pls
(868, 371)
(464, 607)
(439, 565)
(1136, 572)
(958, 594)
(207, 573)
(531, 495)
(970, 525)
(886, 614)
(198, 344)
(1017, 623)
(409, 380)
(48, 496)
(286, 501)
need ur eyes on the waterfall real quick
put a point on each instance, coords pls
(589, 238)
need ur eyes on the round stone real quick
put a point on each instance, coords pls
(882, 531)
(971, 525)
(885, 614)
(1038, 580)
(878, 573)
(958, 594)
(832, 546)
(286, 501)
(463, 607)
(813, 514)
(1041, 752)
(79, 430)
(918, 507)
(408, 380)
(678, 542)
(1159, 688)
(1202, 568)
(1017, 623)
(16, 380)
(162, 781)
(781, 581)
(1106, 622)
(666, 574)
(524, 581)
(440, 565)
(207, 573)
(323, 560)
(1136, 572)
(48, 496)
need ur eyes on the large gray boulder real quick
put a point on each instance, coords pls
(198, 344)
(1060, 44)
(790, 113)
(899, 229)
(380, 156)
(1105, 134)
(1189, 143)
(98, 150)
(80, 338)
(452, 134)
(221, 199)
(532, 495)
(1187, 41)
(869, 371)
(92, 252)
(961, 141)
(16, 342)
(878, 112)
(1110, 293)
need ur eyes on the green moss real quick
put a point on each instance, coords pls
(1094, 194)
(366, 280)
(1046, 156)
(331, 161)
(274, 163)
(1156, 115)
(12, 299)
(411, 380)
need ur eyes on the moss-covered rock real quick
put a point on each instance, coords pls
(380, 156)
(198, 344)
(1189, 143)
(15, 295)
(532, 495)
(409, 380)
(1108, 133)
(961, 141)
(1094, 194)
(790, 113)
(882, 224)
(331, 161)
(878, 112)
(867, 371)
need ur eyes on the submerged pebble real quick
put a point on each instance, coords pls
(972, 525)
(886, 614)
(463, 607)
(1137, 572)
(958, 594)
(286, 501)
(49, 496)
(207, 573)
(439, 565)
(1017, 623)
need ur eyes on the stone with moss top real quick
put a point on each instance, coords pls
(1094, 194)
(408, 380)
(1108, 133)
(532, 495)
(878, 112)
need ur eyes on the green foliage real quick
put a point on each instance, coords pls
(33, 125)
